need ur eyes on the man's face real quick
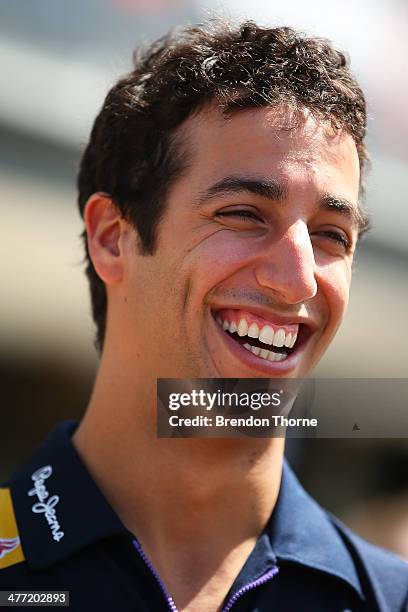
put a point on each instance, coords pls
(252, 270)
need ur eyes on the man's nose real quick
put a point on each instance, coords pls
(288, 266)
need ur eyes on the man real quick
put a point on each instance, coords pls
(220, 193)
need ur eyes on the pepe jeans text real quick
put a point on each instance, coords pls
(46, 503)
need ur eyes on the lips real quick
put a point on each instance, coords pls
(267, 344)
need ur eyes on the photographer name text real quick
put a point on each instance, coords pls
(249, 421)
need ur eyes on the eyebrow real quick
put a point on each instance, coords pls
(235, 184)
(277, 192)
(358, 217)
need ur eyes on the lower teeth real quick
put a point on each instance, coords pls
(264, 353)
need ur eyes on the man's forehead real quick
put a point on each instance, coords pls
(272, 130)
(256, 148)
(269, 140)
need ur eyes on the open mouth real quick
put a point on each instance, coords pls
(264, 339)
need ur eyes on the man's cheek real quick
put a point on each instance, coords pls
(225, 254)
(213, 270)
(335, 282)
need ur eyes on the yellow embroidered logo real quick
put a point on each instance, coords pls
(10, 546)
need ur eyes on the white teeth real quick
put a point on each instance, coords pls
(242, 328)
(232, 327)
(279, 338)
(294, 338)
(266, 335)
(276, 356)
(264, 353)
(288, 340)
(253, 331)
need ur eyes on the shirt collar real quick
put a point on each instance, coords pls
(59, 509)
(301, 532)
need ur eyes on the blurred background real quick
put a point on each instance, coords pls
(57, 61)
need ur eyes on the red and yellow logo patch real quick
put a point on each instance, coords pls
(10, 546)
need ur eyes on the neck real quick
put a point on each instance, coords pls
(217, 493)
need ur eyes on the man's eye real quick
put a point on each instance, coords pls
(245, 215)
(337, 236)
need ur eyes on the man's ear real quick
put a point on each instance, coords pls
(103, 228)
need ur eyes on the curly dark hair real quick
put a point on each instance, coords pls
(133, 152)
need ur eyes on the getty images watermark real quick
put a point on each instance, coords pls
(300, 408)
(190, 408)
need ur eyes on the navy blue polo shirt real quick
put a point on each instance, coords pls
(57, 532)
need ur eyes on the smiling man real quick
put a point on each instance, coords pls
(220, 194)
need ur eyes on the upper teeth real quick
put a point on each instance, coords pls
(268, 335)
